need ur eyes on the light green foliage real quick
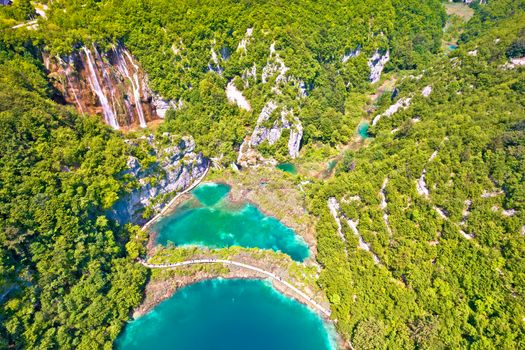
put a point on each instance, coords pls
(67, 276)
(174, 41)
(434, 288)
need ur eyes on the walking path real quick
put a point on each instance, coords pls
(168, 206)
(272, 276)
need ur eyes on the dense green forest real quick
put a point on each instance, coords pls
(450, 270)
(66, 279)
(174, 40)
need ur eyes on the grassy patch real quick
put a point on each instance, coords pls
(459, 9)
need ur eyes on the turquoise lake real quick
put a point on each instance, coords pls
(362, 130)
(211, 193)
(227, 315)
(287, 167)
(211, 219)
(331, 165)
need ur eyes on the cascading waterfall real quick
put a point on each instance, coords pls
(107, 79)
(123, 69)
(68, 83)
(109, 115)
(110, 83)
(136, 87)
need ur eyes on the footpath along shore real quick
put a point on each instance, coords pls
(170, 204)
(272, 276)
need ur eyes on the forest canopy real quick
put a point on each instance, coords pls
(437, 193)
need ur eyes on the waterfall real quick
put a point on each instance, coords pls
(136, 87)
(68, 83)
(107, 79)
(65, 66)
(109, 114)
(123, 69)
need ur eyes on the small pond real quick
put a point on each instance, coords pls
(362, 130)
(287, 167)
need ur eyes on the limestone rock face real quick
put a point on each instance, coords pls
(426, 91)
(377, 63)
(402, 103)
(272, 134)
(294, 142)
(162, 106)
(235, 96)
(260, 133)
(176, 168)
(351, 54)
(111, 84)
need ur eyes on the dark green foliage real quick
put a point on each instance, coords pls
(517, 48)
(65, 278)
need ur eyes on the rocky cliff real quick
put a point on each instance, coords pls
(275, 116)
(286, 120)
(377, 63)
(270, 125)
(175, 168)
(110, 84)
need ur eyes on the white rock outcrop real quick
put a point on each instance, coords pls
(354, 53)
(176, 168)
(402, 103)
(466, 235)
(335, 210)
(383, 205)
(245, 41)
(214, 65)
(377, 63)
(275, 64)
(514, 62)
(162, 105)
(272, 134)
(296, 135)
(490, 194)
(235, 96)
(426, 91)
(421, 185)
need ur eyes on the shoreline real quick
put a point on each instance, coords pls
(239, 194)
(157, 291)
(283, 283)
(173, 201)
(165, 289)
(237, 198)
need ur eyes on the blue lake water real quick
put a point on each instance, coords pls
(212, 220)
(211, 193)
(362, 130)
(227, 315)
(287, 167)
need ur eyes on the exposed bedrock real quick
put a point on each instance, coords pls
(111, 84)
(176, 168)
